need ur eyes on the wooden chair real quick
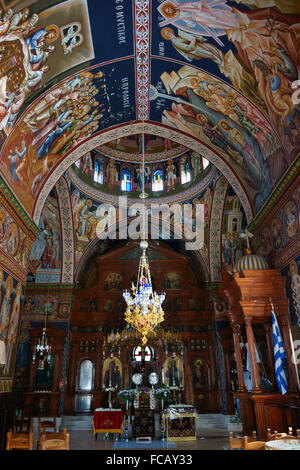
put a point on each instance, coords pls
(22, 421)
(47, 423)
(238, 442)
(282, 435)
(55, 444)
(254, 445)
(52, 435)
(19, 441)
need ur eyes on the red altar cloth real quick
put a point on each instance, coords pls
(108, 421)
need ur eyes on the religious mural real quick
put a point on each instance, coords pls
(173, 372)
(12, 296)
(53, 127)
(112, 373)
(41, 301)
(14, 242)
(199, 374)
(87, 222)
(292, 287)
(283, 229)
(44, 263)
(255, 52)
(234, 224)
(113, 281)
(172, 281)
(228, 126)
(43, 46)
(291, 272)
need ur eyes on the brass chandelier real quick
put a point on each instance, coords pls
(129, 338)
(144, 307)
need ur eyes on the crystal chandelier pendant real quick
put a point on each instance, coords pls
(144, 307)
(42, 351)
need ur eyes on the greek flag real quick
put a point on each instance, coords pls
(279, 356)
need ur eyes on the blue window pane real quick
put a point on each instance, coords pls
(126, 183)
(96, 170)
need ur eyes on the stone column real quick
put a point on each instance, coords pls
(32, 369)
(57, 369)
(97, 366)
(230, 401)
(238, 357)
(188, 382)
(252, 354)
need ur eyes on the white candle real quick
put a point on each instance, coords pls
(162, 377)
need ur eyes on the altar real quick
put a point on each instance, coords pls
(107, 420)
(179, 422)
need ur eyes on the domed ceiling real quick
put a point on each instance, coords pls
(172, 172)
(213, 76)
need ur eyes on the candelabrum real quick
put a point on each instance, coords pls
(144, 307)
(130, 338)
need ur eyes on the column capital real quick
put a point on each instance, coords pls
(248, 320)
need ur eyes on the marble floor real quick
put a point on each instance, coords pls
(212, 434)
(209, 439)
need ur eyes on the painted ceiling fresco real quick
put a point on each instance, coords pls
(218, 71)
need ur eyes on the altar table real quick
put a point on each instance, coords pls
(107, 420)
(180, 422)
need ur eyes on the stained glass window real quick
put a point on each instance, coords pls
(126, 184)
(98, 171)
(137, 354)
(158, 184)
(186, 173)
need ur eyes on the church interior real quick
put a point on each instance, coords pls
(117, 330)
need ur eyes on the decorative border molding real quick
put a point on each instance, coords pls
(149, 157)
(32, 286)
(215, 228)
(150, 128)
(142, 30)
(67, 231)
(12, 268)
(12, 205)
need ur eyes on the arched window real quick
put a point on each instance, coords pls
(126, 183)
(99, 170)
(85, 384)
(77, 163)
(205, 163)
(86, 374)
(185, 172)
(96, 171)
(158, 183)
(136, 354)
